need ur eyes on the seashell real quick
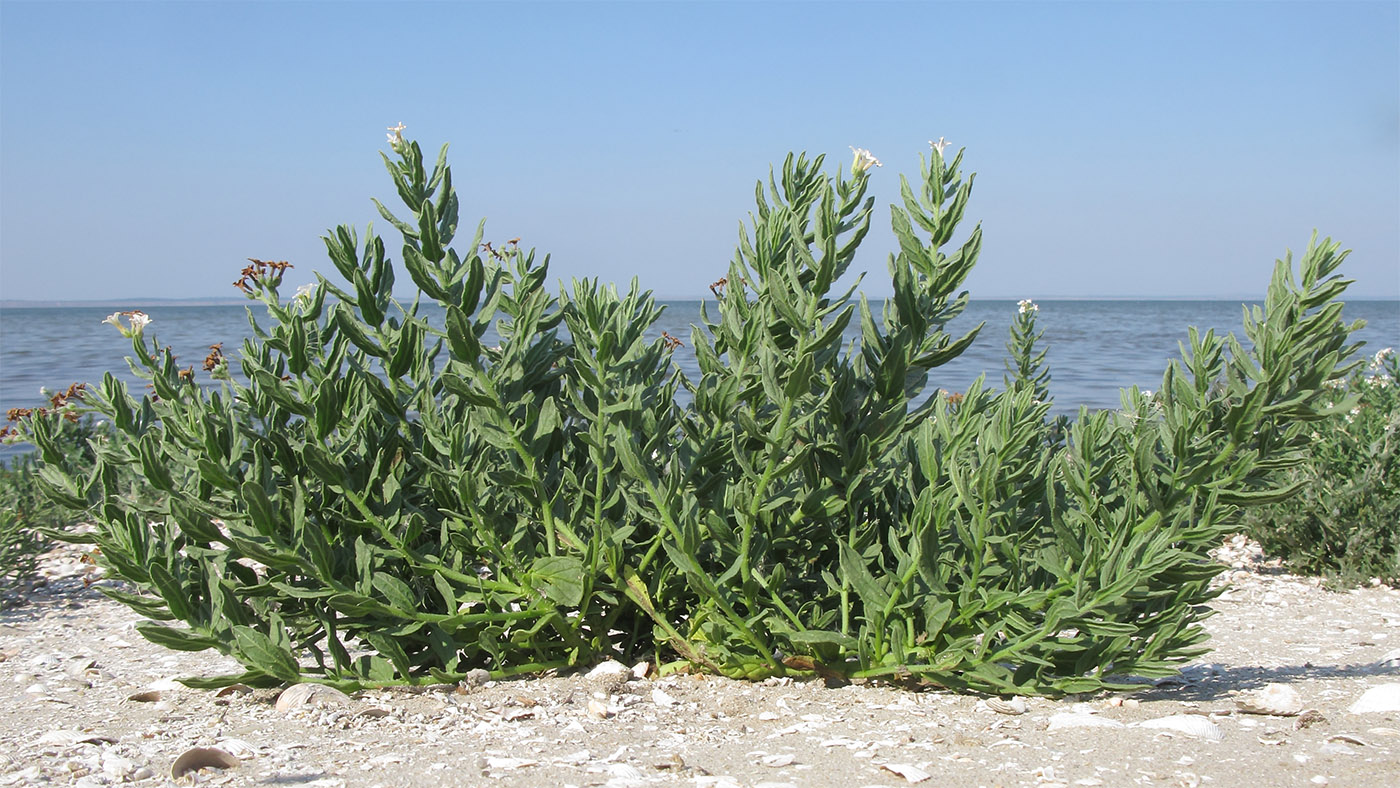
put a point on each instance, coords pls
(146, 696)
(641, 670)
(115, 767)
(476, 677)
(1067, 720)
(374, 713)
(610, 671)
(1383, 732)
(779, 761)
(1189, 724)
(196, 758)
(1014, 706)
(233, 689)
(63, 738)
(609, 676)
(909, 772)
(625, 772)
(1390, 659)
(509, 763)
(1278, 700)
(312, 695)
(1349, 739)
(662, 699)
(1386, 697)
(238, 748)
(597, 710)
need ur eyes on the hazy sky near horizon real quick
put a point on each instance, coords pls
(1121, 149)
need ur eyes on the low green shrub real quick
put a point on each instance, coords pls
(28, 515)
(377, 499)
(1345, 521)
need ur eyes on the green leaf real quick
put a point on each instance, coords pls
(854, 571)
(560, 578)
(396, 591)
(264, 655)
(176, 639)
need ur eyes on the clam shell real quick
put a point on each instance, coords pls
(1189, 724)
(196, 758)
(1278, 700)
(238, 748)
(1068, 720)
(1386, 697)
(310, 695)
(1013, 706)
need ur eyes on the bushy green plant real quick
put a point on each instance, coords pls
(1345, 520)
(28, 514)
(379, 499)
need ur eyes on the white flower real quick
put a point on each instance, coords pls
(397, 135)
(1025, 306)
(864, 160)
(938, 146)
(1147, 393)
(305, 292)
(1381, 356)
(137, 320)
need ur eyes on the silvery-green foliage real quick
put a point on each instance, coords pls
(378, 499)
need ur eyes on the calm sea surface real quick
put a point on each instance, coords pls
(1096, 347)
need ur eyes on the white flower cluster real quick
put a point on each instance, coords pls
(396, 137)
(938, 146)
(1025, 306)
(136, 319)
(864, 160)
(1378, 363)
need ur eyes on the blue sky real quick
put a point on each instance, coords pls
(1122, 149)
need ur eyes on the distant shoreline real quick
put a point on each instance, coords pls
(121, 303)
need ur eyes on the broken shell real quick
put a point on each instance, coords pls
(233, 689)
(1067, 720)
(374, 713)
(64, 738)
(641, 670)
(477, 677)
(148, 696)
(299, 695)
(909, 772)
(1349, 739)
(1386, 697)
(196, 758)
(597, 710)
(1307, 718)
(1278, 700)
(1013, 706)
(1189, 724)
(662, 699)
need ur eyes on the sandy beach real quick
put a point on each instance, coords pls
(87, 701)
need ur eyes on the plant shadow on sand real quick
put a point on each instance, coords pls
(1213, 682)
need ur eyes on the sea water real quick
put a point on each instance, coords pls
(1096, 348)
